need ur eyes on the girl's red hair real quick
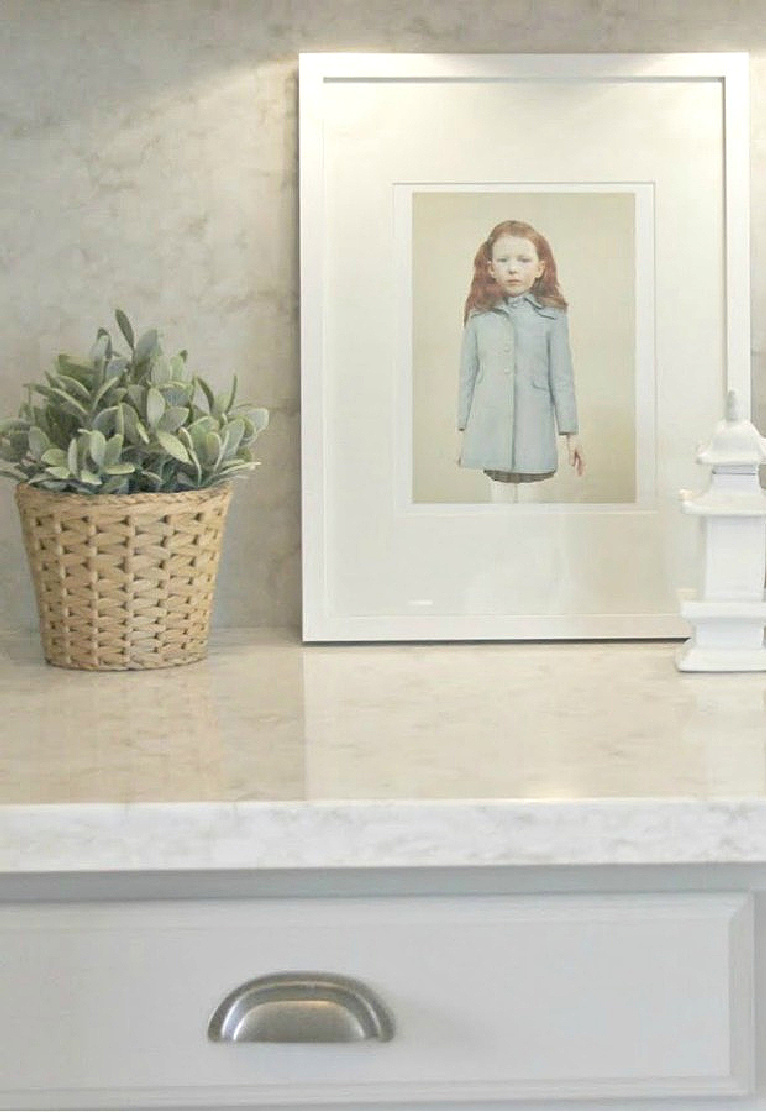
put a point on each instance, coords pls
(485, 291)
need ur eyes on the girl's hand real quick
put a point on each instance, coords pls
(575, 453)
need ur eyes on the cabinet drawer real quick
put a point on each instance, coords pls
(492, 997)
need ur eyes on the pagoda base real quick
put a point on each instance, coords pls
(692, 658)
(728, 635)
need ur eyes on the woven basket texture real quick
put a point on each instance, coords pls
(123, 581)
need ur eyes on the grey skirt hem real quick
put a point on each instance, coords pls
(517, 477)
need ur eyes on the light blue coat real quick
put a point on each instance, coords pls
(516, 387)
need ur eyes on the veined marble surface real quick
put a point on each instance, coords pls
(272, 754)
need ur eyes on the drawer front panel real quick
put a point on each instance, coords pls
(490, 996)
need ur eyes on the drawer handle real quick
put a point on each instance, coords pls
(301, 1008)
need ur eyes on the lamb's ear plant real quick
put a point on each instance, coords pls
(123, 423)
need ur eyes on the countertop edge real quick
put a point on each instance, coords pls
(133, 837)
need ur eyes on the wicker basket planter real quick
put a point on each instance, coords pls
(123, 581)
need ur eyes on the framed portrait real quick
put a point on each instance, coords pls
(524, 297)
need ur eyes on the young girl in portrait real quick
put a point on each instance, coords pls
(516, 388)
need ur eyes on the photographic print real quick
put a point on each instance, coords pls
(524, 296)
(525, 370)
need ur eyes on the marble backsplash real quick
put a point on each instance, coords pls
(149, 155)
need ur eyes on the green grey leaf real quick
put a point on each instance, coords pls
(44, 391)
(80, 371)
(255, 422)
(71, 386)
(116, 484)
(260, 418)
(137, 395)
(90, 478)
(207, 393)
(70, 404)
(40, 417)
(145, 346)
(186, 482)
(125, 327)
(211, 448)
(119, 468)
(173, 446)
(134, 429)
(155, 406)
(235, 432)
(107, 384)
(102, 334)
(160, 370)
(99, 349)
(151, 477)
(38, 442)
(83, 444)
(219, 405)
(178, 367)
(59, 472)
(97, 446)
(235, 467)
(106, 420)
(203, 424)
(112, 450)
(173, 418)
(116, 367)
(46, 482)
(193, 457)
(177, 393)
(54, 456)
(72, 457)
(232, 394)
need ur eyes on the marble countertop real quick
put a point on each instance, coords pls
(272, 754)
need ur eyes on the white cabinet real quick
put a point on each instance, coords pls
(493, 997)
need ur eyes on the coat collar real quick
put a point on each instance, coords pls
(513, 304)
(544, 310)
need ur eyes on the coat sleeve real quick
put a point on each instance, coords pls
(561, 375)
(468, 372)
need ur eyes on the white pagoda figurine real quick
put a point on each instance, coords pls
(728, 611)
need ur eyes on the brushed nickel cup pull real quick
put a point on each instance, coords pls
(301, 1008)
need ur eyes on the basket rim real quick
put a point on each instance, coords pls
(144, 497)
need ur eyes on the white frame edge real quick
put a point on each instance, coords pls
(311, 162)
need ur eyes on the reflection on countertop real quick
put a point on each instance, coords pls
(266, 718)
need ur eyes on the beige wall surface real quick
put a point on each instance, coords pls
(591, 235)
(149, 161)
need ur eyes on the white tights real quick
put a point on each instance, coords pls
(513, 493)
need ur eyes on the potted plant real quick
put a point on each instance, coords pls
(124, 464)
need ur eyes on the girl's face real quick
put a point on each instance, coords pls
(515, 265)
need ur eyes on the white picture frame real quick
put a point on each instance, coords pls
(394, 147)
